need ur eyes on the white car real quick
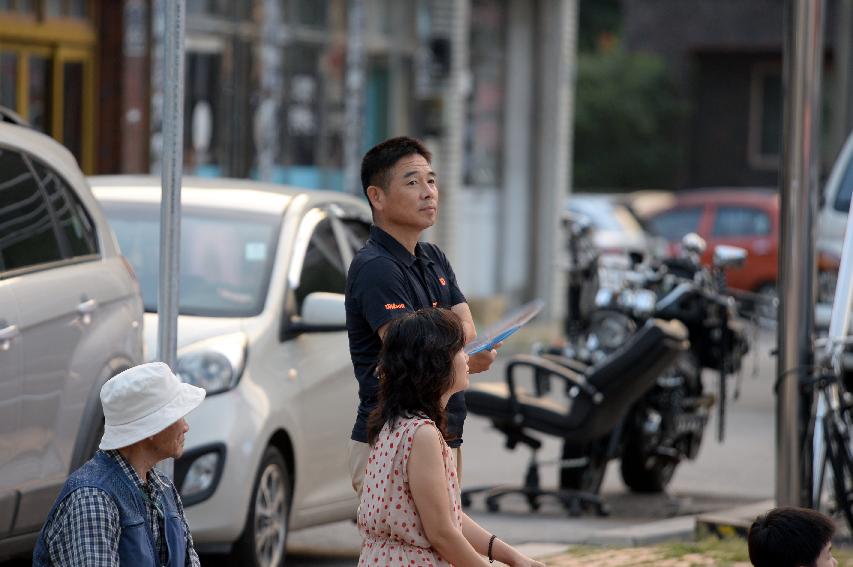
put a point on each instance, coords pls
(70, 319)
(262, 329)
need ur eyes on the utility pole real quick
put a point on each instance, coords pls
(803, 62)
(842, 96)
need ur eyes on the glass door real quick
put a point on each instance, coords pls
(53, 90)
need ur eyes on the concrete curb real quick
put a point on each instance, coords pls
(681, 528)
(732, 522)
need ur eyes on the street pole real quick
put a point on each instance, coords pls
(354, 103)
(172, 168)
(803, 60)
(557, 31)
(451, 155)
(170, 203)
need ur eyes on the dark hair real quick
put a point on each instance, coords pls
(789, 537)
(379, 160)
(416, 368)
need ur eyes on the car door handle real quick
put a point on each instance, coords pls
(9, 332)
(87, 307)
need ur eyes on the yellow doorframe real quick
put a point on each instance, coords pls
(60, 40)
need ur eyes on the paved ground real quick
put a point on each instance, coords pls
(735, 472)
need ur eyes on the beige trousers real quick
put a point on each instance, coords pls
(357, 458)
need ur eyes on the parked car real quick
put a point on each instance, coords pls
(70, 318)
(744, 217)
(617, 231)
(262, 329)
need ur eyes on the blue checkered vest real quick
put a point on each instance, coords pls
(136, 544)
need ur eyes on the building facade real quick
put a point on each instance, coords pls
(486, 83)
(726, 58)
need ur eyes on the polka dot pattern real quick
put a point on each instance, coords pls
(390, 528)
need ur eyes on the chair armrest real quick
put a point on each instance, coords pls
(570, 363)
(575, 381)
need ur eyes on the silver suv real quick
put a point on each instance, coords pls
(70, 318)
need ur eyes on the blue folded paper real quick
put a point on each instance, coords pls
(505, 327)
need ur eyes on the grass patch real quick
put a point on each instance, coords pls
(723, 551)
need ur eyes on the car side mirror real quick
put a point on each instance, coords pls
(322, 312)
(726, 256)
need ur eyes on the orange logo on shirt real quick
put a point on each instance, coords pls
(442, 281)
(390, 306)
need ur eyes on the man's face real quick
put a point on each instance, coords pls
(411, 198)
(169, 443)
(825, 559)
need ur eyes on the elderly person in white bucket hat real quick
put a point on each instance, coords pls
(117, 509)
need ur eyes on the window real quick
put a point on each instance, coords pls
(27, 234)
(226, 256)
(842, 198)
(323, 268)
(675, 223)
(765, 117)
(74, 222)
(741, 221)
(484, 136)
(357, 233)
(203, 140)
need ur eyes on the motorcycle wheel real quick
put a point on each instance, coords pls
(644, 473)
(585, 479)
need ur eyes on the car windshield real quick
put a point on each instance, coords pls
(606, 215)
(226, 256)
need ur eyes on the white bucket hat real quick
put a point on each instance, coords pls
(143, 401)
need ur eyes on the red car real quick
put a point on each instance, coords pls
(745, 217)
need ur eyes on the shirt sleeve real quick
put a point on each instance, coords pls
(381, 292)
(86, 531)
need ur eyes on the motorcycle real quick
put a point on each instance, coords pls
(667, 425)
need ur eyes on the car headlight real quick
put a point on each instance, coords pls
(214, 364)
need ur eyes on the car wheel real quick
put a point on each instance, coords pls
(264, 538)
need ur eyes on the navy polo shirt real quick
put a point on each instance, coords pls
(385, 281)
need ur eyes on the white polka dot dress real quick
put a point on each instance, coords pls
(391, 530)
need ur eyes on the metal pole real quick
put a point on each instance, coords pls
(170, 208)
(450, 169)
(355, 94)
(802, 75)
(557, 35)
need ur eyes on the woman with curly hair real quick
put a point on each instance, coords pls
(410, 513)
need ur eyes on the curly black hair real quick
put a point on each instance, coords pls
(416, 368)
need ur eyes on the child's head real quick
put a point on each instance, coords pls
(421, 363)
(791, 537)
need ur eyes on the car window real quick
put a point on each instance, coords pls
(675, 223)
(357, 233)
(323, 268)
(226, 256)
(842, 198)
(27, 234)
(740, 221)
(73, 220)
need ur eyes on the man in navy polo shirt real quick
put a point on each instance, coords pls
(394, 273)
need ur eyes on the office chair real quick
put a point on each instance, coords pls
(597, 399)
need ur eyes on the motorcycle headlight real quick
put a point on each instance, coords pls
(214, 364)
